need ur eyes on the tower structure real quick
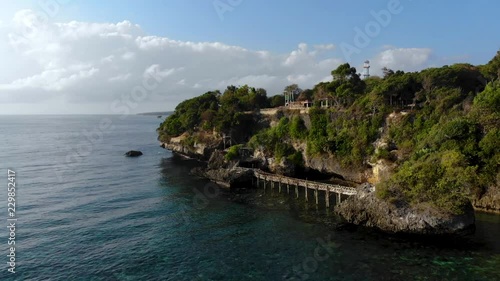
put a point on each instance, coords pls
(366, 72)
(289, 97)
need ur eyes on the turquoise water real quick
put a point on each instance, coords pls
(101, 216)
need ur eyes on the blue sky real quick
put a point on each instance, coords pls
(198, 48)
(455, 28)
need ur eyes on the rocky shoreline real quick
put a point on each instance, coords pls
(364, 209)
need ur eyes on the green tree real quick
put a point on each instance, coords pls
(298, 129)
(486, 107)
(306, 95)
(344, 72)
(346, 85)
(293, 88)
(492, 69)
(317, 141)
(276, 101)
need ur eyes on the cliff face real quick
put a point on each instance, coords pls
(325, 164)
(330, 165)
(201, 146)
(489, 201)
(365, 209)
(201, 150)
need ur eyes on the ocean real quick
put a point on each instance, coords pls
(86, 212)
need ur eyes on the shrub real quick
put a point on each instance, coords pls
(282, 149)
(233, 152)
(442, 179)
(296, 158)
(297, 128)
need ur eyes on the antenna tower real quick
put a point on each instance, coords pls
(366, 72)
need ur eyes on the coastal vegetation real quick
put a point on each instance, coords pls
(440, 127)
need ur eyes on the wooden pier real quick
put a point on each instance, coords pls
(283, 181)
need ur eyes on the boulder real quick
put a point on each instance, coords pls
(133, 153)
(366, 209)
(232, 177)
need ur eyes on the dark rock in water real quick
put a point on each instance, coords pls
(365, 209)
(133, 153)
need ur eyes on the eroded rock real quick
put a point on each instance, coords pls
(365, 209)
(489, 201)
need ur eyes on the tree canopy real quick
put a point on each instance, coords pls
(441, 126)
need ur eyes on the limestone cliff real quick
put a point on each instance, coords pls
(201, 146)
(365, 209)
(489, 201)
(331, 165)
(194, 146)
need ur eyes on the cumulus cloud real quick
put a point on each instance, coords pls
(326, 47)
(84, 62)
(98, 63)
(407, 59)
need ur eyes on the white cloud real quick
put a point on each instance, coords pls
(406, 59)
(78, 63)
(52, 80)
(107, 59)
(325, 47)
(299, 55)
(155, 70)
(128, 56)
(119, 78)
(84, 62)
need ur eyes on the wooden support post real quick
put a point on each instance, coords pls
(297, 190)
(265, 183)
(327, 197)
(339, 198)
(305, 190)
(279, 184)
(258, 185)
(287, 187)
(316, 195)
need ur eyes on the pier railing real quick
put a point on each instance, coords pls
(288, 182)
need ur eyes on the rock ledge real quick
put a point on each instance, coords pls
(365, 209)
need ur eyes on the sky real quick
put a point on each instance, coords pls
(126, 57)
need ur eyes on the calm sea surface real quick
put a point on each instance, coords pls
(86, 212)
